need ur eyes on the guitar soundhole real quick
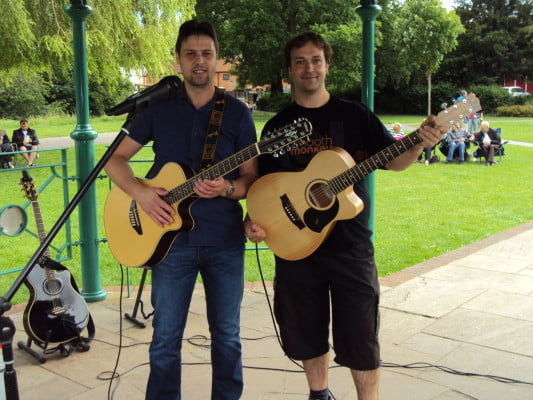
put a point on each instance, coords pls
(320, 195)
(52, 287)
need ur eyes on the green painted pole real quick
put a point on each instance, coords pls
(368, 11)
(83, 137)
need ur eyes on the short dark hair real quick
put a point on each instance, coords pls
(194, 27)
(23, 120)
(302, 40)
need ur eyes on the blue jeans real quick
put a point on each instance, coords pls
(460, 147)
(173, 282)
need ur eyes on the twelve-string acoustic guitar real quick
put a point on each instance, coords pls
(136, 240)
(299, 209)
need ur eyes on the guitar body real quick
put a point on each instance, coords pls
(134, 238)
(297, 210)
(56, 312)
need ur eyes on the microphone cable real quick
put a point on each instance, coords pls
(274, 324)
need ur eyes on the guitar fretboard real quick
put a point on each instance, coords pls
(274, 141)
(218, 170)
(378, 160)
(50, 274)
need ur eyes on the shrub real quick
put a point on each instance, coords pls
(273, 103)
(23, 97)
(515, 111)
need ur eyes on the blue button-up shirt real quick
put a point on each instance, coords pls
(178, 132)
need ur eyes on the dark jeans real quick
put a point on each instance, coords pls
(173, 282)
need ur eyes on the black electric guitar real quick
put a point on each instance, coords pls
(56, 312)
(136, 240)
(299, 209)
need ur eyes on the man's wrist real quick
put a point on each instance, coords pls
(230, 189)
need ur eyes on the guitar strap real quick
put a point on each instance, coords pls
(213, 129)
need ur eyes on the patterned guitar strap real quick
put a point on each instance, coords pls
(213, 129)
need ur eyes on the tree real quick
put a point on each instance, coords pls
(496, 46)
(252, 34)
(420, 33)
(122, 35)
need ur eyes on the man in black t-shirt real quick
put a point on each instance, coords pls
(342, 270)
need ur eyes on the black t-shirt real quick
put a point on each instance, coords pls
(339, 123)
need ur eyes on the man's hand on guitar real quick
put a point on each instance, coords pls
(158, 209)
(431, 133)
(209, 189)
(254, 232)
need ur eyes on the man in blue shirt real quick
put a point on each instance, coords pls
(215, 246)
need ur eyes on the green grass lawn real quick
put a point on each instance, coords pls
(422, 212)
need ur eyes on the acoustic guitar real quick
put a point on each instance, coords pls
(56, 312)
(136, 240)
(299, 209)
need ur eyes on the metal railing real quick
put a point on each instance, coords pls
(58, 169)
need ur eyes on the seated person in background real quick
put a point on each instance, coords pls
(26, 139)
(397, 131)
(5, 146)
(488, 141)
(427, 155)
(456, 139)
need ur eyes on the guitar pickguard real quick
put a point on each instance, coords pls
(316, 220)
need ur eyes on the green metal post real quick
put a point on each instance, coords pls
(83, 137)
(368, 11)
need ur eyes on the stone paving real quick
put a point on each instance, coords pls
(469, 311)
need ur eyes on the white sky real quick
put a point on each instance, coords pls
(448, 4)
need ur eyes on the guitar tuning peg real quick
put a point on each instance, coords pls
(463, 93)
(443, 105)
(281, 152)
(275, 155)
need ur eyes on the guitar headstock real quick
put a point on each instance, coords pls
(28, 186)
(459, 110)
(289, 136)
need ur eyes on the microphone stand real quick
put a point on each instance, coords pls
(7, 328)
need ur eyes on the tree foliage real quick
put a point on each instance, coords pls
(252, 33)
(419, 34)
(121, 36)
(128, 34)
(497, 45)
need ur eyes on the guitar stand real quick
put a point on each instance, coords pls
(65, 349)
(139, 303)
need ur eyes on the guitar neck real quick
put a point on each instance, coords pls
(40, 225)
(218, 170)
(378, 160)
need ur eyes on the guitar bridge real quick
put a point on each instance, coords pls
(134, 218)
(58, 310)
(291, 212)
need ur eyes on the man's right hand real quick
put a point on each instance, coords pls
(158, 209)
(254, 232)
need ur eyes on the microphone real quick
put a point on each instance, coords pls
(165, 88)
